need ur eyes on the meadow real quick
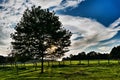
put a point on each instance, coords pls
(63, 71)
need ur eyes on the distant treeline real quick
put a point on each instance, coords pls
(114, 54)
(91, 55)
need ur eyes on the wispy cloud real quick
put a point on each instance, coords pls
(91, 32)
(105, 48)
(115, 24)
(67, 4)
(46, 3)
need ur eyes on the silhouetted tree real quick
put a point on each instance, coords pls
(37, 31)
(10, 59)
(115, 53)
(90, 55)
(2, 59)
(81, 56)
(98, 57)
(71, 58)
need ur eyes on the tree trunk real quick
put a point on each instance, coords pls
(70, 62)
(118, 60)
(59, 63)
(79, 61)
(63, 62)
(42, 64)
(24, 64)
(35, 66)
(11, 65)
(48, 63)
(98, 61)
(108, 61)
(16, 66)
(88, 62)
(52, 63)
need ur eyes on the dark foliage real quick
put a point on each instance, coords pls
(89, 56)
(2, 59)
(115, 53)
(37, 31)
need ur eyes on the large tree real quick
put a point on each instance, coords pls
(38, 34)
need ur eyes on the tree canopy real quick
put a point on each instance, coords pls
(115, 52)
(38, 31)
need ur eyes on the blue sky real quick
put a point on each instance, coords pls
(104, 11)
(95, 24)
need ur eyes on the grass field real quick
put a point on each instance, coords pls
(65, 71)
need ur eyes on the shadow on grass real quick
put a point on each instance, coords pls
(67, 76)
(55, 66)
(6, 68)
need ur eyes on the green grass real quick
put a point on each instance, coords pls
(65, 71)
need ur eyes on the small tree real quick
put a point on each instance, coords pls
(37, 31)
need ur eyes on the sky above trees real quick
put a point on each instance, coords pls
(95, 24)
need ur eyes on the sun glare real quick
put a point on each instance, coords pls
(51, 49)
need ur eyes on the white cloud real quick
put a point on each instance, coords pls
(92, 31)
(68, 3)
(115, 23)
(107, 46)
(46, 3)
(109, 42)
(104, 48)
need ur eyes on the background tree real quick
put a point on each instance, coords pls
(37, 31)
(115, 53)
(2, 59)
(98, 57)
(91, 55)
(71, 58)
(81, 56)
